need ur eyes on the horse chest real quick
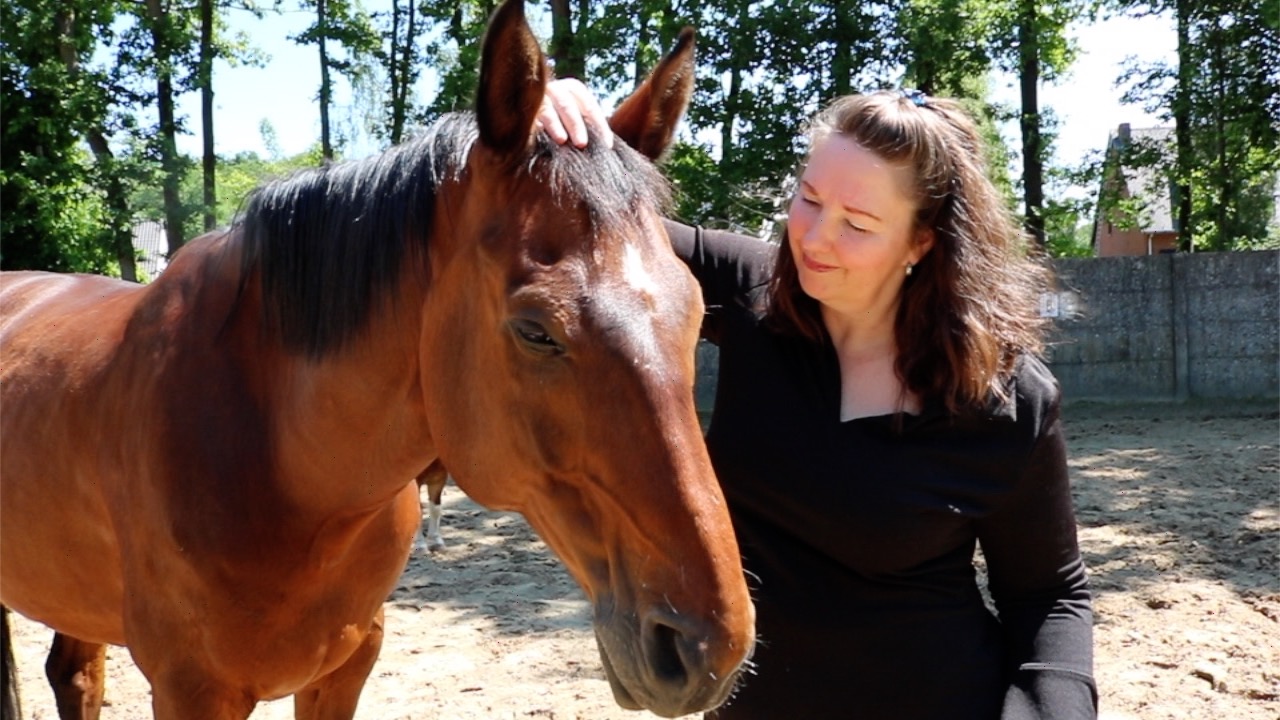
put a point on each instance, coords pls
(273, 619)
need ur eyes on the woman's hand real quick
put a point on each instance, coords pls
(568, 107)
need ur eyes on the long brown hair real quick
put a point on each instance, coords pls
(968, 309)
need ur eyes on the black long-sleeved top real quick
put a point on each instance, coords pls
(859, 535)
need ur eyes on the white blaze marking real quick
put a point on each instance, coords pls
(638, 319)
(635, 273)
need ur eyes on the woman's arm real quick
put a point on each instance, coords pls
(730, 268)
(1038, 579)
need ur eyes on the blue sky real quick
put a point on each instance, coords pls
(284, 91)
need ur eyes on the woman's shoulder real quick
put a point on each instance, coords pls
(733, 269)
(721, 247)
(1034, 380)
(1036, 395)
(1030, 394)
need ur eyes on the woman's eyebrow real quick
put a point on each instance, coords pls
(807, 186)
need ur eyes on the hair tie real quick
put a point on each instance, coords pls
(917, 97)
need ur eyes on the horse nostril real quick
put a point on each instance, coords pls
(664, 656)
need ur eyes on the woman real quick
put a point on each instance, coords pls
(881, 410)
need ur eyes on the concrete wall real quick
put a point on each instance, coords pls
(1177, 326)
(1160, 327)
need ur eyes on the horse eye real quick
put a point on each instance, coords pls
(534, 337)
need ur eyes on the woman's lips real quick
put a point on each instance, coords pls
(816, 266)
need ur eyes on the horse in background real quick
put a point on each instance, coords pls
(212, 469)
(432, 480)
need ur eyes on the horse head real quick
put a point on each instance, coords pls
(558, 365)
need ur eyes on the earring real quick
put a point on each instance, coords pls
(910, 267)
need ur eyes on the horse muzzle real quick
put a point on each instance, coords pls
(668, 663)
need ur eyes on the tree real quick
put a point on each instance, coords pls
(402, 62)
(1030, 41)
(119, 226)
(1223, 96)
(62, 210)
(1232, 133)
(566, 50)
(168, 28)
(213, 45)
(945, 44)
(1182, 125)
(351, 30)
(459, 26)
(204, 81)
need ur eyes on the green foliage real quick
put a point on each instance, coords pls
(53, 219)
(763, 70)
(946, 43)
(456, 49)
(54, 214)
(238, 175)
(1225, 90)
(1068, 230)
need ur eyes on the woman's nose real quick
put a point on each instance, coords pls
(815, 232)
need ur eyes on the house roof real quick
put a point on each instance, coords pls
(149, 239)
(1147, 181)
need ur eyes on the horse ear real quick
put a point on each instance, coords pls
(513, 78)
(647, 119)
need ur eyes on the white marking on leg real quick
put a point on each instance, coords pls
(435, 541)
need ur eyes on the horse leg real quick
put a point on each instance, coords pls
(334, 696)
(10, 705)
(76, 670)
(435, 488)
(433, 479)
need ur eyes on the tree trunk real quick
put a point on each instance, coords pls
(565, 52)
(1182, 128)
(1227, 200)
(639, 71)
(118, 213)
(326, 91)
(206, 114)
(1032, 163)
(733, 99)
(395, 71)
(842, 51)
(171, 171)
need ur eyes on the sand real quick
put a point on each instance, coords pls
(1179, 513)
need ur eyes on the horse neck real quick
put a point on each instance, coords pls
(351, 427)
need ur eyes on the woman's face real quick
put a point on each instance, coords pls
(851, 227)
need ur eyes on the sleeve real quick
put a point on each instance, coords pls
(729, 267)
(1038, 582)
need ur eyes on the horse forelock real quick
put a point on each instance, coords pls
(330, 243)
(613, 184)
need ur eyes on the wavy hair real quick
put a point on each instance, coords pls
(969, 308)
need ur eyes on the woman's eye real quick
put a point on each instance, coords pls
(534, 337)
(855, 227)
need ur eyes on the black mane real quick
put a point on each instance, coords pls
(330, 242)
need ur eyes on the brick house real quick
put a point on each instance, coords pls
(1136, 198)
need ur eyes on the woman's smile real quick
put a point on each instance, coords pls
(815, 266)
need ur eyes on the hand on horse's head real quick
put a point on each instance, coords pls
(568, 107)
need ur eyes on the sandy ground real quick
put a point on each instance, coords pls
(1179, 510)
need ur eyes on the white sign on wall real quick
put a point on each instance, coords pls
(1059, 305)
(1049, 306)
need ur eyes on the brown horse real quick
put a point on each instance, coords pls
(214, 470)
(433, 480)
